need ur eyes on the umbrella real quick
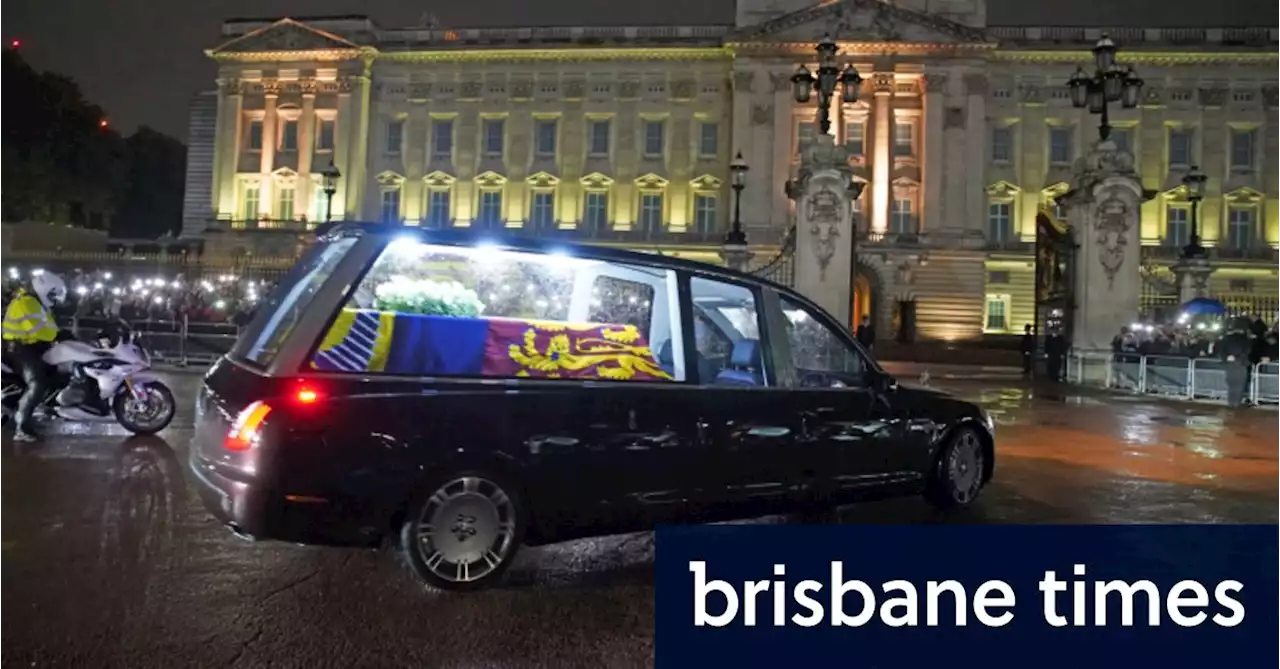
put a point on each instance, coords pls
(1203, 306)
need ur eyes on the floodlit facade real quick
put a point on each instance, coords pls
(623, 135)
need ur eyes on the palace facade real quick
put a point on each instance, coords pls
(623, 134)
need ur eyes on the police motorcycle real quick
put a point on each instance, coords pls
(107, 379)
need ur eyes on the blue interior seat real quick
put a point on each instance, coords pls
(745, 364)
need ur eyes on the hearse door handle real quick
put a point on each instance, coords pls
(702, 432)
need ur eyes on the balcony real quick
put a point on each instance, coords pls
(1257, 252)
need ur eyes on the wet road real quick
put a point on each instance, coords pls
(109, 560)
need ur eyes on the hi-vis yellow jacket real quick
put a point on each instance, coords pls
(27, 321)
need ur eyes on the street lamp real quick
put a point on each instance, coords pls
(1110, 82)
(1194, 181)
(803, 82)
(738, 172)
(330, 175)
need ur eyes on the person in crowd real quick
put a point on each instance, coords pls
(28, 329)
(1055, 349)
(866, 333)
(1028, 350)
(1234, 351)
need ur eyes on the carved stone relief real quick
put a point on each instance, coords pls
(1213, 97)
(629, 90)
(935, 82)
(780, 81)
(823, 218)
(744, 81)
(1152, 95)
(522, 90)
(882, 82)
(575, 89)
(471, 90)
(683, 90)
(761, 114)
(1111, 227)
(1031, 93)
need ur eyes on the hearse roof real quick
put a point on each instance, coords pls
(520, 243)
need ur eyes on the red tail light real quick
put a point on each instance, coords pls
(307, 395)
(245, 430)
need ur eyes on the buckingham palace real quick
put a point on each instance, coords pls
(623, 134)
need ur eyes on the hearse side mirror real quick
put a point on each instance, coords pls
(883, 382)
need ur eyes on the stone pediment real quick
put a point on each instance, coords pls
(860, 21)
(285, 35)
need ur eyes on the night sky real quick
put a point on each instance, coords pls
(143, 59)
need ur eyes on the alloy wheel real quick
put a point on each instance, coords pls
(964, 467)
(466, 529)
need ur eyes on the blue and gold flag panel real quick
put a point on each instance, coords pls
(413, 344)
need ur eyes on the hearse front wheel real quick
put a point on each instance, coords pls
(463, 533)
(957, 476)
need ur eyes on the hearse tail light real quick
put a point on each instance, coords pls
(306, 395)
(245, 431)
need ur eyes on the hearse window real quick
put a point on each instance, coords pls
(483, 311)
(727, 332)
(279, 313)
(822, 357)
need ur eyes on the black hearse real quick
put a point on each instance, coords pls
(464, 397)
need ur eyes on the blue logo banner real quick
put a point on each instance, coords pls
(965, 595)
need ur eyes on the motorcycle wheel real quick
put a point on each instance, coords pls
(154, 416)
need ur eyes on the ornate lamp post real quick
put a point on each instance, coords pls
(738, 172)
(1109, 83)
(804, 83)
(330, 175)
(1194, 181)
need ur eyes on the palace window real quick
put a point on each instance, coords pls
(598, 138)
(442, 138)
(1177, 230)
(395, 136)
(904, 143)
(806, 131)
(546, 137)
(653, 139)
(251, 202)
(997, 314)
(1180, 147)
(542, 212)
(438, 209)
(709, 140)
(1060, 149)
(651, 211)
(855, 136)
(704, 212)
(325, 131)
(493, 137)
(490, 208)
(1242, 148)
(1000, 222)
(289, 135)
(390, 213)
(1122, 138)
(1240, 227)
(902, 219)
(596, 210)
(284, 203)
(255, 135)
(1002, 144)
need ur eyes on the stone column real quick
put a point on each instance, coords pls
(226, 149)
(356, 175)
(825, 257)
(266, 191)
(306, 147)
(1104, 207)
(975, 136)
(736, 256)
(881, 166)
(1192, 276)
(934, 88)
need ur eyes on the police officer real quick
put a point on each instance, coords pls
(28, 330)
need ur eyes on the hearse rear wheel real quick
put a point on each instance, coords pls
(464, 532)
(959, 472)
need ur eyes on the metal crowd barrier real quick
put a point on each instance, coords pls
(179, 342)
(1171, 376)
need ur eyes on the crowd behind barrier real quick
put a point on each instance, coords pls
(1178, 377)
